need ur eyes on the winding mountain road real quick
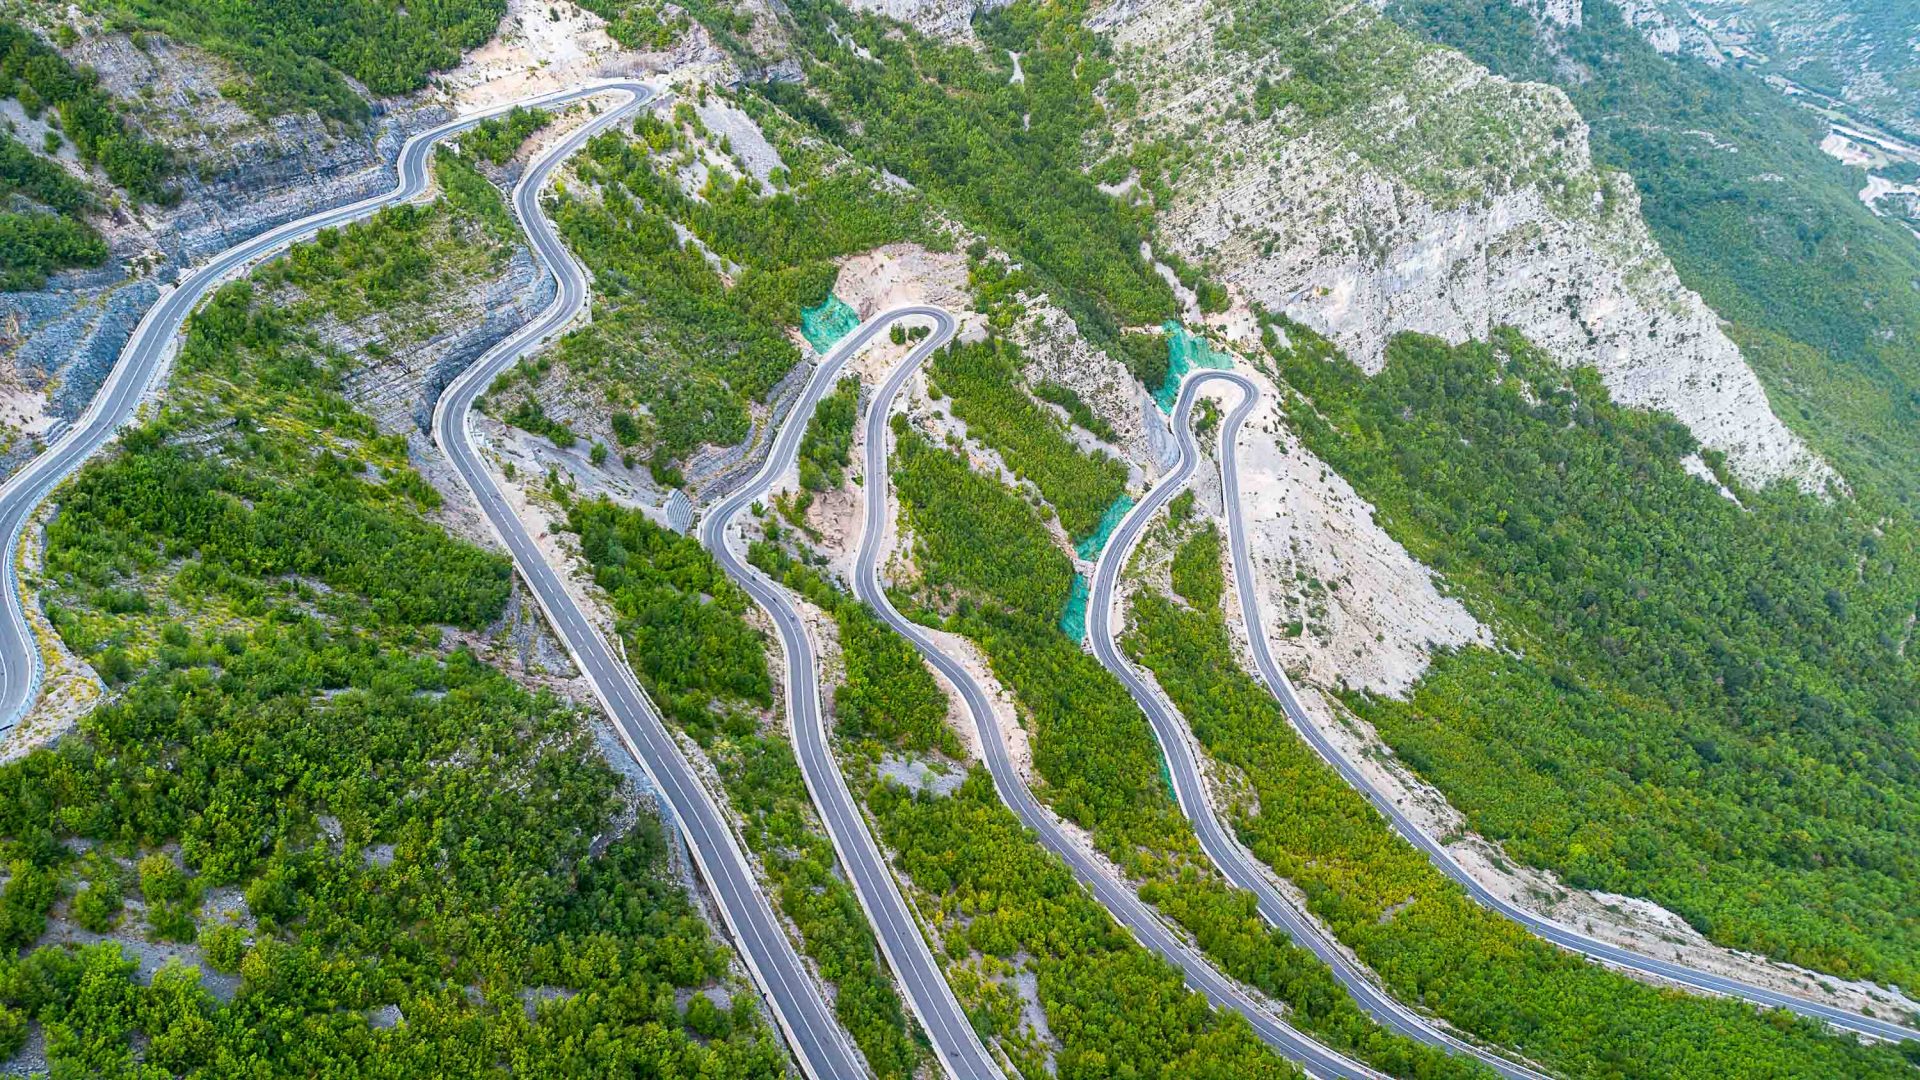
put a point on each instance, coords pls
(1282, 689)
(148, 351)
(1237, 862)
(1117, 897)
(823, 1049)
(956, 1043)
(1234, 861)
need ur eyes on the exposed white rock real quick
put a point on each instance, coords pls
(887, 277)
(1448, 201)
(1367, 613)
(542, 47)
(1670, 32)
(726, 121)
(950, 19)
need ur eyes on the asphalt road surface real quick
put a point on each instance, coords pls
(1613, 955)
(823, 1049)
(149, 350)
(956, 1043)
(1233, 860)
(1117, 897)
(818, 1042)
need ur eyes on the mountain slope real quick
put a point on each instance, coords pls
(1817, 290)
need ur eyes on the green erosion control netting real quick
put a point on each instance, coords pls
(1073, 621)
(1185, 351)
(1090, 548)
(828, 323)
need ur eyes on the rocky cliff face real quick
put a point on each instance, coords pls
(1414, 191)
(244, 175)
(1671, 29)
(941, 18)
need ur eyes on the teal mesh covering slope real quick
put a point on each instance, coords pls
(1090, 548)
(1185, 351)
(1073, 621)
(828, 323)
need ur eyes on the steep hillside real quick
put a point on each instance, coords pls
(1694, 675)
(1520, 498)
(709, 243)
(160, 133)
(1816, 288)
(1860, 52)
(301, 55)
(179, 170)
(1366, 184)
(1035, 89)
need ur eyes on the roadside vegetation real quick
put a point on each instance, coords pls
(340, 814)
(827, 446)
(1426, 938)
(986, 556)
(1197, 576)
(684, 623)
(1813, 668)
(1102, 770)
(1703, 680)
(299, 54)
(473, 195)
(674, 346)
(886, 695)
(989, 395)
(1018, 934)
(496, 139)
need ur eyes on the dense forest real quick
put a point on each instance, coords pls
(1195, 572)
(983, 380)
(294, 53)
(826, 447)
(1770, 230)
(34, 245)
(1703, 679)
(1420, 932)
(498, 138)
(376, 854)
(1003, 156)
